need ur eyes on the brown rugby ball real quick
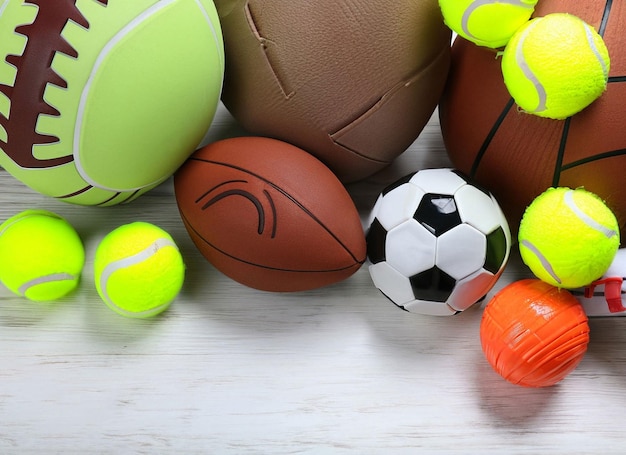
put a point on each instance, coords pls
(352, 82)
(516, 155)
(269, 215)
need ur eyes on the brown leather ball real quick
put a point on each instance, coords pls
(352, 83)
(269, 215)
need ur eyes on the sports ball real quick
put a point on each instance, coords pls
(352, 83)
(517, 156)
(489, 23)
(138, 270)
(41, 255)
(555, 66)
(568, 238)
(101, 100)
(269, 215)
(534, 334)
(607, 295)
(436, 242)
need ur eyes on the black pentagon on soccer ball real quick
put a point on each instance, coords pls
(433, 285)
(438, 213)
(496, 250)
(375, 240)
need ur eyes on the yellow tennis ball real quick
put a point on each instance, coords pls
(489, 23)
(41, 255)
(555, 66)
(568, 238)
(138, 270)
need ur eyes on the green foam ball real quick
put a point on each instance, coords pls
(100, 101)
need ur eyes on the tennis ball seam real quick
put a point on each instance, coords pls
(32, 213)
(545, 263)
(51, 278)
(568, 198)
(528, 73)
(120, 264)
(479, 3)
(589, 32)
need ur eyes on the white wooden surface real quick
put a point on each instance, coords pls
(230, 370)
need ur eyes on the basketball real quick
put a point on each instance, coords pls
(517, 156)
(269, 215)
(352, 83)
(101, 100)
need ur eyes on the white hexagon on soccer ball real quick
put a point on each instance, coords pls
(471, 290)
(410, 248)
(438, 181)
(479, 209)
(430, 308)
(461, 251)
(398, 205)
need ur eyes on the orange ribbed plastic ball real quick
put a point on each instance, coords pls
(534, 334)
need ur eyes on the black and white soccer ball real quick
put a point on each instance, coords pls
(436, 243)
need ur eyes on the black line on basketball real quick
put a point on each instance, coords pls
(605, 17)
(559, 157)
(590, 159)
(616, 79)
(489, 137)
